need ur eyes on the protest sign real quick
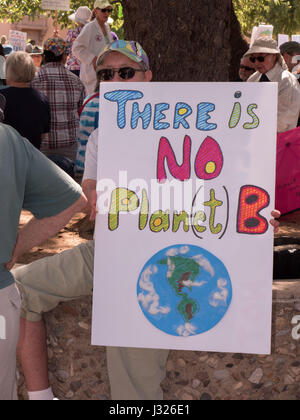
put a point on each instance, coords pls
(296, 38)
(261, 31)
(17, 40)
(56, 5)
(184, 251)
(282, 39)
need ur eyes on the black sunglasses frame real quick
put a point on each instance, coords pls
(125, 73)
(106, 10)
(260, 59)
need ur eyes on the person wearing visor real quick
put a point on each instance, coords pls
(271, 67)
(91, 41)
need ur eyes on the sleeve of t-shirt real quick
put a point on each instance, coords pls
(91, 157)
(49, 190)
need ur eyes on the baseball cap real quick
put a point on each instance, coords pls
(57, 46)
(102, 4)
(131, 49)
(82, 15)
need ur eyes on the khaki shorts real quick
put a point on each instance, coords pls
(45, 283)
(10, 304)
(135, 374)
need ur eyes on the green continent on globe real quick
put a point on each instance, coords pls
(182, 272)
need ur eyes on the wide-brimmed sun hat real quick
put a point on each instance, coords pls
(263, 45)
(82, 15)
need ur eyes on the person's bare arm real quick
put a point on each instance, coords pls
(37, 231)
(89, 189)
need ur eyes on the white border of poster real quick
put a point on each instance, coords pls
(184, 250)
(56, 5)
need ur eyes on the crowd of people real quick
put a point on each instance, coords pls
(59, 104)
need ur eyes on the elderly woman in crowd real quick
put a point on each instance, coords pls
(271, 67)
(27, 110)
(81, 17)
(91, 40)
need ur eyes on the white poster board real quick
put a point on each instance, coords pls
(56, 5)
(296, 38)
(186, 181)
(17, 40)
(261, 31)
(282, 39)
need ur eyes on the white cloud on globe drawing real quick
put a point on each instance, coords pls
(204, 263)
(186, 330)
(173, 252)
(220, 296)
(149, 298)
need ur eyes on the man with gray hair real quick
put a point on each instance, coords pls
(27, 110)
(289, 50)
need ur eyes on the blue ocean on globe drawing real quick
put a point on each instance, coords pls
(184, 290)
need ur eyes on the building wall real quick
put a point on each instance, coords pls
(40, 29)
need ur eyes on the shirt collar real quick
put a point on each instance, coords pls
(274, 72)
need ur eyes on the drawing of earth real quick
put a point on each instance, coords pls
(184, 290)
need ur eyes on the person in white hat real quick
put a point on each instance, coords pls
(81, 17)
(271, 67)
(92, 39)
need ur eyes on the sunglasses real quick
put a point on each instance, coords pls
(124, 73)
(106, 10)
(260, 59)
(242, 67)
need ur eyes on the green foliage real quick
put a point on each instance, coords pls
(284, 15)
(15, 10)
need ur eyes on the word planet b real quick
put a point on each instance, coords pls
(184, 290)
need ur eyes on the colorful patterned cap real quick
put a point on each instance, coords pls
(57, 46)
(131, 49)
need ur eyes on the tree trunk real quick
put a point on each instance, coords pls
(188, 40)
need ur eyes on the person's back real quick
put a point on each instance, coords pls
(27, 110)
(65, 93)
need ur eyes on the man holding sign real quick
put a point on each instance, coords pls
(133, 373)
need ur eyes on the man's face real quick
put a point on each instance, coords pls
(288, 58)
(263, 62)
(117, 61)
(246, 69)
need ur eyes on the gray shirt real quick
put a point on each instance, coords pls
(30, 181)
